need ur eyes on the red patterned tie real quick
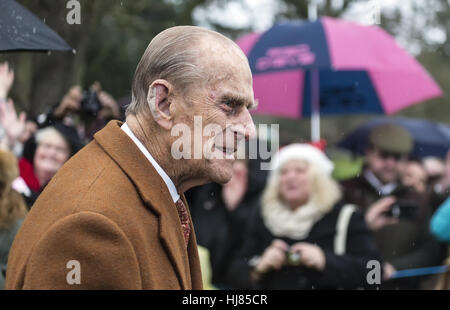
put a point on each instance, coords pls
(184, 218)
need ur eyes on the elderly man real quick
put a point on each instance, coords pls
(115, 217)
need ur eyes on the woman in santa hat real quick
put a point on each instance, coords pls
(304, 236)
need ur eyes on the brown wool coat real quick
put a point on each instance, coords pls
(109, 209)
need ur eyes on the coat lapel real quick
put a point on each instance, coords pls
(153, 192)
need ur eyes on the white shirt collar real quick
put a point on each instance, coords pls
(170, 186)
(383, 190)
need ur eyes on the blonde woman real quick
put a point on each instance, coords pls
(304, 236)
(45, 153)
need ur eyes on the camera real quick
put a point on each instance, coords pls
(90, 105)
(404, 209)
(293, 258)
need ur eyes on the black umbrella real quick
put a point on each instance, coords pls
(21, 30)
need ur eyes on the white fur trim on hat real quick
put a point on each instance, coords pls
(300, 151)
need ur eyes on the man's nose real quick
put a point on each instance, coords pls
(247, 122)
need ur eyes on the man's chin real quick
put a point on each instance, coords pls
(221, 171)
(388, 179)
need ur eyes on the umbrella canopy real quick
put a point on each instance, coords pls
(361, 69)
(430, 139)
(21, 30)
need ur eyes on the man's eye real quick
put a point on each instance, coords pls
(229, 103)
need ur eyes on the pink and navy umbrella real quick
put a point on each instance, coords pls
(360, 69)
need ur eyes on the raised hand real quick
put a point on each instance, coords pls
(70, 102)
(110, 108)
(6, 80)
(14, 126)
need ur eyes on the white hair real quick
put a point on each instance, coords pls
(48, 132)
(173, 55)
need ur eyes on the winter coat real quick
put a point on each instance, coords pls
(109, 210)
(347, 271)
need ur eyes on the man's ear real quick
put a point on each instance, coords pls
(158, 99)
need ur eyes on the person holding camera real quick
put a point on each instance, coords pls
(94, 108)
(397, 214)
(303, 236)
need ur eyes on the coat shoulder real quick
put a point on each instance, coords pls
(89, 186)
(87, 242)
(91, 181)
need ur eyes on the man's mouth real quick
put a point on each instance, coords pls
(226, 151)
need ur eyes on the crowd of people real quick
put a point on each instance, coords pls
(292, 227)
(300, 229)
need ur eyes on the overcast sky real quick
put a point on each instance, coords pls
(259, 15)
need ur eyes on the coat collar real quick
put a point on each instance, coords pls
(153, 192)
(172, 190)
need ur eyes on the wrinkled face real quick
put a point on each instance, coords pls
(385, 166)
(218, 114)
(295, 185)
(51, 153)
